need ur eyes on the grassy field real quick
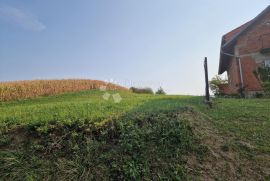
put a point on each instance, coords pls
(88, 136)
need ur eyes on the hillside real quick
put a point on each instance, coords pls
(102, 134)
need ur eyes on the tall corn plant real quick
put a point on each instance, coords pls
(30, 89)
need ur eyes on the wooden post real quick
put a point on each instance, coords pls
(207, 95)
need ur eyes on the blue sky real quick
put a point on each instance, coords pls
(133, 42)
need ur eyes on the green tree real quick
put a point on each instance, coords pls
(160, 91)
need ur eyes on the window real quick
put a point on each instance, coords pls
(267, 63)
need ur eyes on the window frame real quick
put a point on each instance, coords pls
(267, 63)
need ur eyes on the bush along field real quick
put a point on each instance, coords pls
(91, 135)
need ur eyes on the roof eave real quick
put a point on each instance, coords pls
(225, 58)
(220, 71)
(234, 39)
(221, 57)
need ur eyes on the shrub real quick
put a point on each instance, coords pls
(263, 75)
(214, 84)
(266, 88)
(142, 90)
(160, 91)
(258, 95)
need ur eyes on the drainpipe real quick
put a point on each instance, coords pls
(241, 72)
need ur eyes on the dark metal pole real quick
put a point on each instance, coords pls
(207, 95)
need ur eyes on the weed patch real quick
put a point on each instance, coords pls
(136, 146)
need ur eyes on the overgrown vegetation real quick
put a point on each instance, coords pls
(142, 90)
(134, 147)
(263, 74)
(215, 84)
(147, 140)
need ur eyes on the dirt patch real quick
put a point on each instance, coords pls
(227, 158)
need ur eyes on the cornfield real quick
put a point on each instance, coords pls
(18, 90)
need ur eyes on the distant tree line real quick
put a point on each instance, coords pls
(147, 90)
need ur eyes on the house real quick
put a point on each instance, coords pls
(242, 51)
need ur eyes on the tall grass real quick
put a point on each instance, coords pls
(17, 90)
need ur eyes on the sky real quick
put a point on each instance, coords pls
(143, 43)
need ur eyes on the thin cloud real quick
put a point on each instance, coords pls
(20, 18)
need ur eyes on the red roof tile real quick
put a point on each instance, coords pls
(231, 34)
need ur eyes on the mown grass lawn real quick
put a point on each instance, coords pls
(244, 119)
(84, 136)
(85, 105)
